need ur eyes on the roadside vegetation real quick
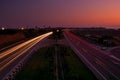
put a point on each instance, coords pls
(73, 67)
(41, 66)
(11, 36)
(8, 39)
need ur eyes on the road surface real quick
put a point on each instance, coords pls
(11, 57)
(102, 65)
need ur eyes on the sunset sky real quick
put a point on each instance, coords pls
(60, 12)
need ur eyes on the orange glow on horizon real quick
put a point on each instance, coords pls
(61, 12)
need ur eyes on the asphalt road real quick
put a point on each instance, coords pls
(102, 65)
(11, 57)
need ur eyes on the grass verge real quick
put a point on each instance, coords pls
(41, 66)
(73, 67)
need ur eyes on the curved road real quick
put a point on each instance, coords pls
(11, 57)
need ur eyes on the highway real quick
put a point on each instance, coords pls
(101, 64)
(12, 56)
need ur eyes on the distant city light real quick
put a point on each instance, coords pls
(3, 28)
(57, 30)
(22, 28)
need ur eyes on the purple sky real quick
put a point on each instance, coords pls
(60, 12)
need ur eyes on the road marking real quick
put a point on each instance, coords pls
(100, 62)
(84, 50)
(36, 40)
(9, 51)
